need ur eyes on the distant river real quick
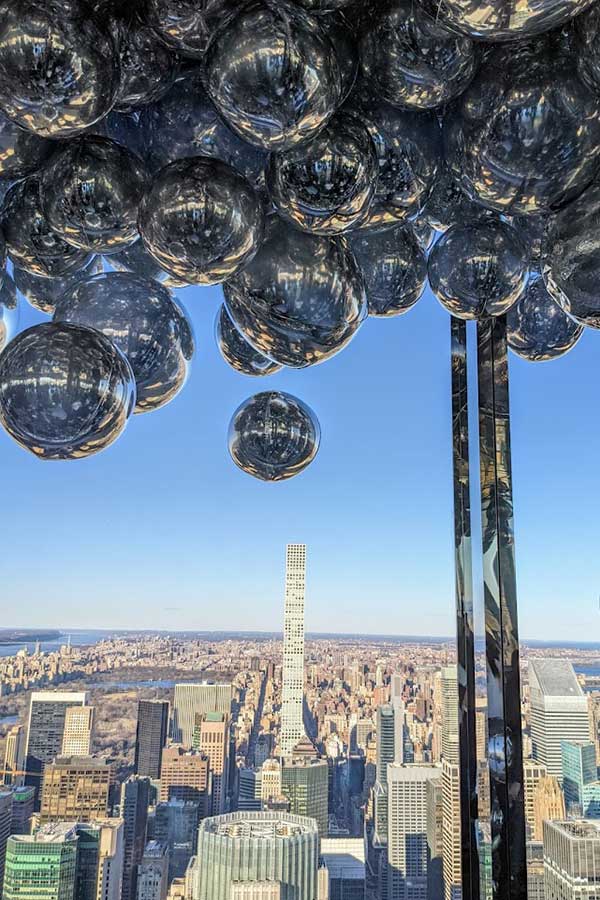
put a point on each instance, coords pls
(78, 639)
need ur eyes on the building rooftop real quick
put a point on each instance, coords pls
(259, 825)
(580, 828)
(555, 677)
(154, 850)
(51, 833)
(344, 857)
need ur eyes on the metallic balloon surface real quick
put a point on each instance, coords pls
(412, 60)
(91, 192)
(9, 311)
(424, 232)
(506, 20)
(478, 270)
(587, 39)
(301, 299)
(273, 436)
(187, 25)
(537, 329)
(65, 391)
(447, 204)
(526, 135)
(2, 258)
(135, 258)
(21, 153)
(273, 75)
(236, 350)
(394, 268)
(148, 68)
(139, 316)
(44, 293)
(31, 242)
(339, 31)
(201, 220)
(59, 68)
(326, 185)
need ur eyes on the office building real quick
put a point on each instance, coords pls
(270, 781)
(548, 804)
(151, 736)
(6, 803)
(135, 800)
(449, 688)
(535, 870)
(559, 711)
(153, 872)
(99, 873)
(344, 859)
(77, 734)
(257, 847)
(292, 703)
(581, 786)
(14, 756)
(45, 730)
(185, 776)
(76, 789)
(191, 700)
(304, 783)
(260, 890)
(42, 866)
(451, 836)
(176, 826)
(390, 748)
(532, 773)
(572, 860)
(23, 806)
(435, 840)
(407, 830)
(211, 737)
(249, 789)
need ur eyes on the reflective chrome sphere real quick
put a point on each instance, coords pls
(148, 68)
(65, 391)
(587, 41)
(394, 268)
(273, 436)
(201, 220)
(506, 20)
(43, 293)
(21, 152)
(9, 311)
(136, 259)
(273, 75)
(128, 129)
(339, 31)
(59, 69)
(424, 232)
(91, 191)
(532, 230)
(327, 184)
(141, 319)
(2, 258)
(526, 136)
(301, 299)
(187, 25)
(412, 60)
(447, 204)
(236, 350)
(571, 258)
(324, 6)
(478, 270)
(31, 243)
(537, 328)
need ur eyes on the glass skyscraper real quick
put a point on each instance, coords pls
(581, 786)
(42, 866)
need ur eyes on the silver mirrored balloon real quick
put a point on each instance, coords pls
(301, 299)
(237, 352)
(273, 75)
(324, 6)
(326, 185)
(506, 20)
(141, 319)
(201, 220)
(587, 44)
(412, 60)
(537, 329)
(127, 128)
(188, 25)
(135, 258)
(273, 436)
(526, 135)
(339, 31)
(43, 293)
(65, 391)
(532, 230)
(21, 153)
(424, 232)
(2, 258)
(478, 270)
(91, 191)
(59, 69)
(32, 244)
(147, 67)
(394, 268)
(9, 311)
(447, 204)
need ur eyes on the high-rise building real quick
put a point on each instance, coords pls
(45, 730)
(532, 773)
(292, 704)
(176, 826)
(99, 873)
(450, 714)
(451, 838)
(304, 782)
(535, 870)
(185, 776)
(153, 872)
(249, 789)
(559, 711)
(390, 748)
(23, 806)
(270, 782)
(344, 859)
(257, 847)
(135, 800)
(259, 890)
(435, 840)
(191, 700)
(407, 830)
(42, 865)
(151, 736)
(76, 789)
(211, 737)
(572, 860)
(548, 804)
(6, 803)
(14, 756)
(581, 786)
(77, 734)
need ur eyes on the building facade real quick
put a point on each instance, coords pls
(292, 702)
(191, 700)
(151, 736)
(135, 800)
(572, 860)
(42, 866)
(76, 789)
(14, 756)
(211, 737)
(407, 830)
(185, 776)
(304, 783)
(559, 711)
(46, 728)
(153, 872)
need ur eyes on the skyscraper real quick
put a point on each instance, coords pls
(390, 748)
(571, 860)
(559, 711)
(75, 789)
(435, 840)
(176, 826)
(135, 799)
(407, 830)
(153, 872)
(42, 865)
(292, 720)
(191, 700)
(532, 773)
(184, 776)
(77, 735)
(451, 837)
(99, 872)
(23, 805)
(14, 756)
(581, 786)
(548, 804)
(304, 782)
(151, 736)
(45, 730)
(212, 738)
(450, 714)
(6, 802)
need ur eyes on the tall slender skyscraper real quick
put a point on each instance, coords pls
(292, 723)
(450, 714)
(135, 799)
(559, 711)
(14, 756)
(151, 736)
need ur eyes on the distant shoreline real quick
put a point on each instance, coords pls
(10, 638)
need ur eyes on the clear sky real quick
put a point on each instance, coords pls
(162, 530)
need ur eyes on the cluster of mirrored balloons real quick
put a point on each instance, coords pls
(322, 159)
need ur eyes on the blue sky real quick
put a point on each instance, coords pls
(162, 530)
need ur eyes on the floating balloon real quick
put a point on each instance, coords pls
(478, 270)
(141, 319)
(532, 230)
(187, 25)
(44, 293)
(412, 60)
(326, 185)
(136, 259)
(301, 299)
(59, 69)
(273, 436)
(424, 233)
(339, 31)
(537, 329)
(236, 350)
(394, 268)
(91, 191)
(447, 204)
(65, 391)
(201, 220)
(505, 20)
(2, 259)
(147, 67)
(587, 41)
(526, 135)
(273, 75)
(21, 153)
(9, 311)
(31, 243)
